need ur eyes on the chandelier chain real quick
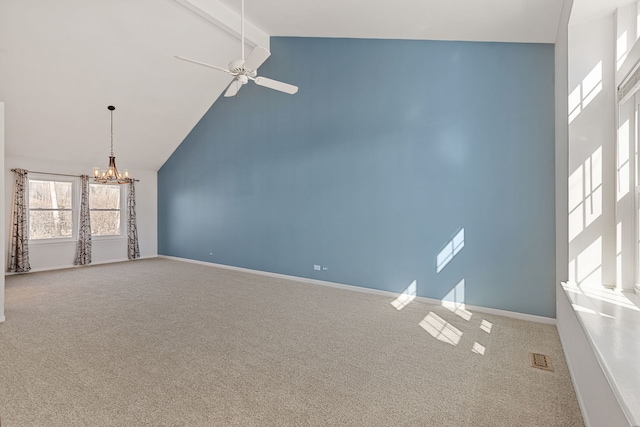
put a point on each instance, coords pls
(111, 133)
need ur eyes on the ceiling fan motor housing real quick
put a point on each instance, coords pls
(237, 67)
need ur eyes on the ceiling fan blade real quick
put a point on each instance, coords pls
(233, 88)
(203, 63)
(257, 57)
(274, 84)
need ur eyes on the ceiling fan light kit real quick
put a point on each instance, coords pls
(244, 70)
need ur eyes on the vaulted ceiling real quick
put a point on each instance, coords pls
(63, 62)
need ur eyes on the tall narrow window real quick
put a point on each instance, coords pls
(50, 209)
(105, 207)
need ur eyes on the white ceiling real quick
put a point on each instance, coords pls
(63, 62)
(487, 20)
(587, 10)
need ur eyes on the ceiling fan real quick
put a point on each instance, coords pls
(244, 70)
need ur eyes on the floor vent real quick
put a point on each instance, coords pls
(541, 361)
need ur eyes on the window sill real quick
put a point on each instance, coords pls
(64, 241)
(73, 241)
(101, 238)
(611, 322)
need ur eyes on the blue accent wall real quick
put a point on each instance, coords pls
(390, 149)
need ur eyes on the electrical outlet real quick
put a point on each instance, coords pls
(316, 267)
(325, 268)
(210, 253)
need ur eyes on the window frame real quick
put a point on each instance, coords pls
(75, 209)
(123, 200)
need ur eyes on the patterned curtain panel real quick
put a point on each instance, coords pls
(83, 248)
(133, 250)
(19, 246)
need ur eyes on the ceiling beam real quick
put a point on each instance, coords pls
(221, 16)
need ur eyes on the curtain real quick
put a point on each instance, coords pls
(83, 248)
(19, 245)
(133, 251)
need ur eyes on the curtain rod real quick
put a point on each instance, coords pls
(65, 174)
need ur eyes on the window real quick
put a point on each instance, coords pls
(54, 206)
(104, 204)
(50, 209)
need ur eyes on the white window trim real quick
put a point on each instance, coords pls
(123, 199)
(75, 208)
(76, 190)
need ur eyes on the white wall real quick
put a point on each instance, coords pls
(592, 130)
(600, 196)
(2, 203)
(562, 142)
(625, 36)
(58, 255)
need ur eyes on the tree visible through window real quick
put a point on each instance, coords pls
(50, 209)
(104, 204)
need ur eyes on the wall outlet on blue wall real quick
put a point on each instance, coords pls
(316, 267)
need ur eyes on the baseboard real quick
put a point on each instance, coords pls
(62, 267)
(480, 309)
(512, 314)
(2, 319)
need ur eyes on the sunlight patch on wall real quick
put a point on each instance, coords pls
(637, 21)
(623, 160)
(622, 50)
(619, 253)
(576, 216)
(585, 194)
(585, 92)
(592, 85)
(450, 250)
(454, 301)
(440, 329)
(406, 296)
(587, 266)
(575, 106)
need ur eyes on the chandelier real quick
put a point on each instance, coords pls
(111, 174)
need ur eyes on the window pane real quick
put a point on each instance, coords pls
(50, 194)
(104, 196)
(105, 223)
(50, 224)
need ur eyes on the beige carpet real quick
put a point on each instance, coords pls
(166, 343)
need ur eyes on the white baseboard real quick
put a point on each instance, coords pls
(62, 267)
(2, 319)
(480, 309)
